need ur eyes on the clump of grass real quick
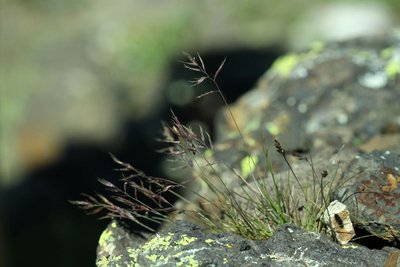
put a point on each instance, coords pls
(258, 207)
(254, 210)
(140, 199)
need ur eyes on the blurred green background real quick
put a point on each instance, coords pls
(98, 76)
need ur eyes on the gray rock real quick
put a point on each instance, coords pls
(330, 95)
(113, 244)
(185, 244)
(373, 197)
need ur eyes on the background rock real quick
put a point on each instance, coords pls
(316, 101)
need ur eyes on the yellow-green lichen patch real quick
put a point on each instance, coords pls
(106, 261)
(133, 254)
(228, 245)
(179, 254)
(153, 248)
(387, 53)
(158, 242)
(284, 65)
(103, 262)
(105, 237)
(185, 240)
(117, 257)
(189, 261)
(155, 258)
(378, 79)
(248, 165)
(392, 56)
(392, 69)
(209, 241)
(273, 128)
(152, 257)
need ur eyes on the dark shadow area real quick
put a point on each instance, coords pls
(41, 227)
(372, 242)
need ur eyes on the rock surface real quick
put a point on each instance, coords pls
(331, 95)
(339, 102)
(185, 244)
(374, 196)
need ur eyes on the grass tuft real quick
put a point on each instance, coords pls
(254, 209)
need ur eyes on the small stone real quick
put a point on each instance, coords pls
(337, 217)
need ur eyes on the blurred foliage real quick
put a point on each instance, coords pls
(78, 69)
